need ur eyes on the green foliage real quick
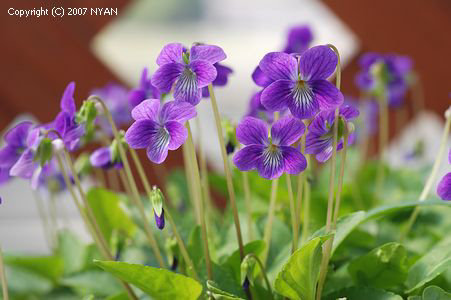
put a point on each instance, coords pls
(433, 263)
(299, 276)
(366, 293)
(384, 267)
(44, 152)
(109, 213)
(49, 267)
(219, 294)
(432, 293)
(158, 283)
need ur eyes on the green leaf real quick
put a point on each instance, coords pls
(366, 293)
(22, 282)
(157, 283)
(434, 293)
(383, 267)
(219, 294)
(93, 282)
(109, 214)
(50, 267)
(233, 262)
(432, 264)
(72, 251)
(298, 277)
(346, 224)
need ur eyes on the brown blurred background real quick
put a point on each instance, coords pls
(39, 57)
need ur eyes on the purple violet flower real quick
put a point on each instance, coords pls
(144, 91)
(16, 144)
(190, 71)
(65, 123)
(271, 156)
(444, 186)
(115, 97)
(393, 75)
(221, 78)
(319, 140)
(301, 84)
(159, 219)
(103, 158)
(299, 39)
(159, 129)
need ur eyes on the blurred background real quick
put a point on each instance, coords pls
(39, 56)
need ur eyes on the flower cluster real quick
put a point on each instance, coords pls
(385, 76)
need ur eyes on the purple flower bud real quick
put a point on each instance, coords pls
(144, 91)
(230, 147)
(175, 263)
(159, 219)
(444, 187)
(247, 291)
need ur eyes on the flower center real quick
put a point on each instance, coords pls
(302, 93)
(272, 156)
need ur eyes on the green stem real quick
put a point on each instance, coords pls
(383, 142)
(330, 201)
(300, 183)
(189, 181)
(306, 219)
(263, 270)
(432, 176)
(200, 206)
(44, 221)
(89, 224)
(248, 204)
(271, 214)
(146, 184)
(227, 170)
(135, 194)
(340, 179)
(294, 226)
(3, 277)
(181, 244)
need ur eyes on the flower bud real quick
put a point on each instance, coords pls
(157, 198)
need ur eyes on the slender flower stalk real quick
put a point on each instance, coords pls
(44, 220)
(248, 204)
(432, 175)
(167, 214)
(204, 173)
(293, 214)
(271, 214)
(300, 184)
(306, 220)
(341, 176)
(131, 181)
(182, 247)
(102, 246)
(3, 278)
(330, 202)
(195, 169)
(383, 142)
(263, 270)
(227, 170)
(190, 182)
